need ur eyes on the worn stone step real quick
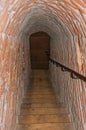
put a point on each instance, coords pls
(39, 73)
(40, 85)
(40, 109)
(40, 82)
(50, 96)
(37, 119)
(43, 111)
(40, 92)
(42, 105)
(47, 126)
(39, 99)
(40, 79)
(37, 83)
(40, 89)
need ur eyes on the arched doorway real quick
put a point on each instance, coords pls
(39, 44)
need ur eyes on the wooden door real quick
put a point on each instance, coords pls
(39, 44)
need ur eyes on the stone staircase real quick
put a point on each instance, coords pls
(40, 109)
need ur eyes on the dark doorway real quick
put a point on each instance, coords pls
(39, 44)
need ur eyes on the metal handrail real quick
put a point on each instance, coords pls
(73, 74)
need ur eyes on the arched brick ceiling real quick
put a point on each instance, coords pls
(67, 16)
(70, 12)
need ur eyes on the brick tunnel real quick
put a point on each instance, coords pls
(65, 22)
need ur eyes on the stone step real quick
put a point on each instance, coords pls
(40, 89)
(50, 96)
(40, 92)
(40, 109)
(43, 111)
(37, 78)
(38, 101)
(41, 86)
(39, 73)
(42, 105)
(52, 99)
(38, 82)
(40, 79)
(47, 126)
(37, 119)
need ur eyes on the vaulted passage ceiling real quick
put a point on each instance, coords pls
(22, 14)
(57, 18)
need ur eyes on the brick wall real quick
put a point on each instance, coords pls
(14, 77)
(65, 22)
(71, 92)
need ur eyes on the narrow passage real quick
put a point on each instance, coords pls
(40, 109)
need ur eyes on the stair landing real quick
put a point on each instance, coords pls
(40, 109)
